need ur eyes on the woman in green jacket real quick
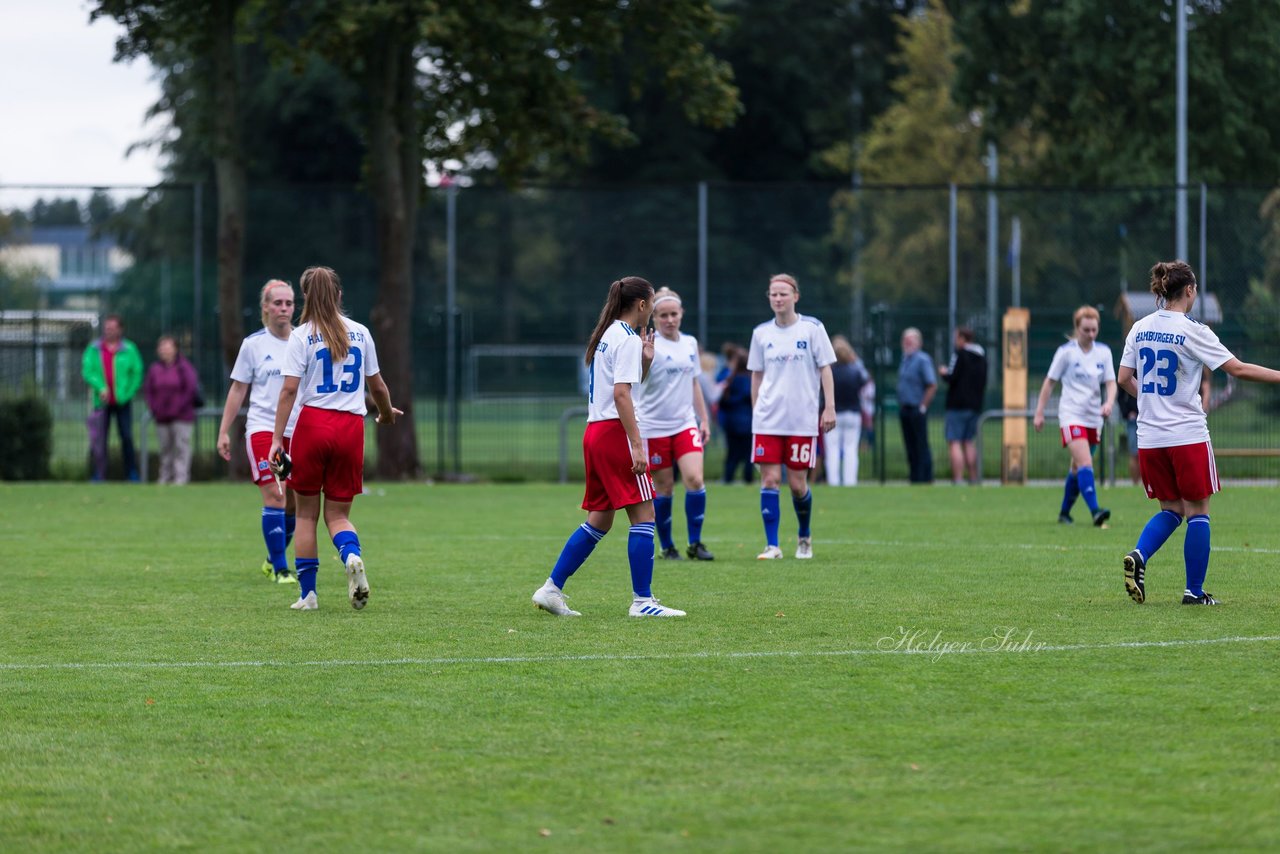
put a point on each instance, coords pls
(112, 367)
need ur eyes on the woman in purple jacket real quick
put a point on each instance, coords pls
(172, 391)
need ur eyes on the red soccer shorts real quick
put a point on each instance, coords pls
(1075, 431)
(328, 454)
(795, 452)
(663, 451)
(1186, 472)
(258, 446)
(611, 484)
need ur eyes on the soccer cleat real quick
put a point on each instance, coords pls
(552, 600)
(804, 548)
(285, 577)
(1135, 571)
(268, 570)
(697, 551)
(1100, 518)
(306, 603)
(1065, 519)
(672, 553)
(651, 607)
(1205, 598)
(770, 553)
(357, 584)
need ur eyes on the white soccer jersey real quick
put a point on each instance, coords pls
(665, 400)
(258, 365)
(1168, 351)
(325, 385)
(1082, 375)
(617, 360)
(790, 358)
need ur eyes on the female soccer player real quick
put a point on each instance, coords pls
(329, 361)
(675, 425)
(257, 372)
(789, 358)
(618, 356)
(1082, 365)
(1164, 356)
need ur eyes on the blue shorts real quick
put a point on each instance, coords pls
(961, 425)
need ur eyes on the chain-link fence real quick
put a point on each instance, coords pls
(530, 268)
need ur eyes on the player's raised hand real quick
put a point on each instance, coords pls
(646, 351)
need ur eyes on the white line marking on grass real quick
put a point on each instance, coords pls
(661, 656)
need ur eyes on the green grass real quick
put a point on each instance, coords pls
(157, 693)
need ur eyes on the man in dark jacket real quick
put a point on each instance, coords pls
(966, 390)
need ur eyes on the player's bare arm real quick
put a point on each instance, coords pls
(235, 399)
(627, 415)
(1045, 390)
(757, 377)
(381, 395)
(1249, 371)
(288, 394)
(700, 410)
(646, 353)
(828, 419)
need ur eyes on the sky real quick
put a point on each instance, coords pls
(68, 113)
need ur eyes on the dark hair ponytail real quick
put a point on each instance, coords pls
(623, 294)
(1170, 279)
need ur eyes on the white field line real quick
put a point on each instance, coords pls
(916, 648)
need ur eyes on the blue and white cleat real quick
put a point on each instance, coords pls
(651, 607)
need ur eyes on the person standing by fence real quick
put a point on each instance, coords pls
(735, 413)
(172, 392)
(257, 373)
(619, 354)
(790, 362)
(112, 368)
(917, 384)
(848, 376)
(966, 378)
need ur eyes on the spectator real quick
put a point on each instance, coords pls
(966, 389)
(735, 414)
(112, 368)
(841, 450)
(172, 392)
(917, 385)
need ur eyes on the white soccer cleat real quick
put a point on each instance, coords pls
(770, 553)
(804, 548)
(306, 603)
(652, 608)
(357, 584)
(551, 599)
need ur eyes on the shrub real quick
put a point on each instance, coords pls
(26, 437)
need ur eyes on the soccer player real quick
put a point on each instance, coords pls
(1164, 356)
(675, 425)
(328, 363)
(789, 358)
(618, 356)
(1083, 365)
(257, 373)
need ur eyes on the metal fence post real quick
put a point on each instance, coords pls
(702, 264)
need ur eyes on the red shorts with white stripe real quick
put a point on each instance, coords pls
(1186, 472)
(1074, 431)
(611, 484)
(328, 454)
(796, 452)
(258, 446)
(663, 451)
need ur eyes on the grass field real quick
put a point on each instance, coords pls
(156, 693)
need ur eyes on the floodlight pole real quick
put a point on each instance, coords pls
(952, 262)
(993, 237)
(450, 317)
(702, 265)
(1181, 237)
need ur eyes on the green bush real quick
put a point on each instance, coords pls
(26, 437)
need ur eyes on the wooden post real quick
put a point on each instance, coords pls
(1013, 465)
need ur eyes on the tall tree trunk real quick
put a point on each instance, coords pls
(395, 167)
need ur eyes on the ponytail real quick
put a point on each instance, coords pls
(1170, 279)
(322, 291)
(623, 294)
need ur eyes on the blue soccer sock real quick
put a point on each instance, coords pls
(575, 552)
(1158, 530)
(306, 567)
(290, 522)
(640, 556)
(347, 544)
(804, 510)
(1195, 551)
(1070, 491)
(273, 534)
(695, 510)
(1087, 491)
(769, 512)
(662, 519)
